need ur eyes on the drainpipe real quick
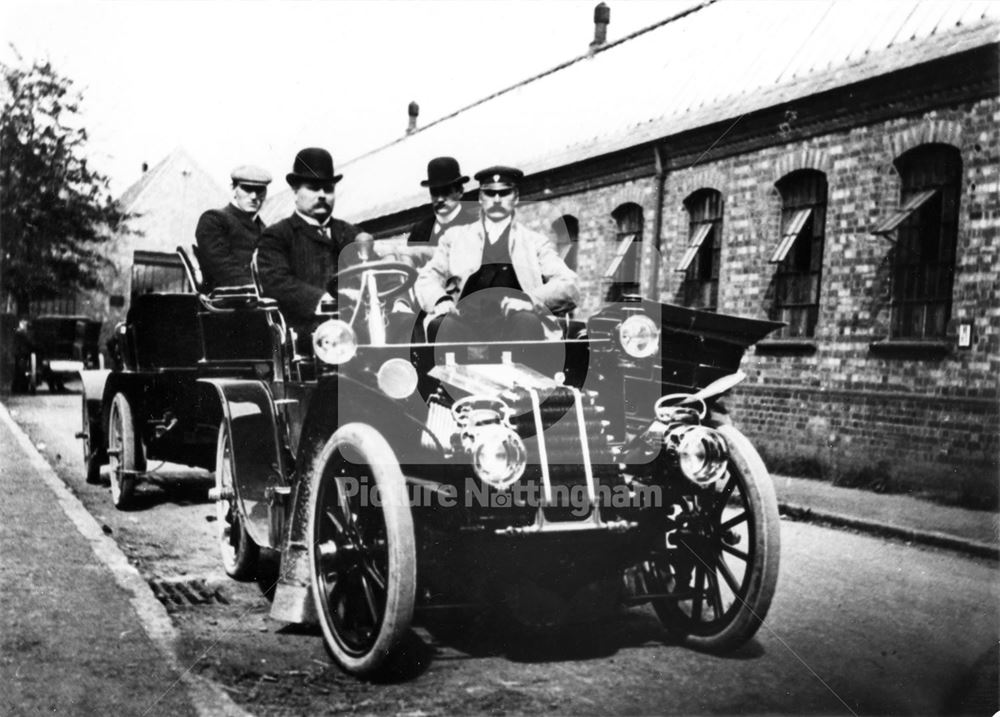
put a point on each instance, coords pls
(653, 291)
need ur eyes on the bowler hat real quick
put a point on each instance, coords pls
(443, 172)
(499, 176)
(312, 164)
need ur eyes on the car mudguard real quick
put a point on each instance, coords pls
(258, 472)
(93, 395)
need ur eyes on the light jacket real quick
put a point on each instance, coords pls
(543, 276)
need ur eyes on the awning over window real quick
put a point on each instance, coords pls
(625, 244)
(889, 225)
(701, 233)
(565, 250)
(792, 232)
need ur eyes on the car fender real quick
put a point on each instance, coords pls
(93, 400)
(258, 471)
(347, 400)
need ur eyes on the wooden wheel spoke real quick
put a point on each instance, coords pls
(728, 576)
(715, 594)
(735, 520)
(338, 527)
(699, 589)
(370, 600)
(372, 572)
(737, 552)
(723, 499)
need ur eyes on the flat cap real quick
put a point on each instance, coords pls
(499, 176)
(249, 174)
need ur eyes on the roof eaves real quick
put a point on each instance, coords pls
(534, 78)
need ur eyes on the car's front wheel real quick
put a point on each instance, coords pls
(362, 551)
(722, 568)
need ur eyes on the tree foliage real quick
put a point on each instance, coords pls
(55, 211)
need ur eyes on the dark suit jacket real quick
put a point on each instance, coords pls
(226, 240)
(295, 262)
(423, 231)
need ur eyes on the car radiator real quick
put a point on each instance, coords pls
(566, 441)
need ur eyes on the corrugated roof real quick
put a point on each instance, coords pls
(720, 61)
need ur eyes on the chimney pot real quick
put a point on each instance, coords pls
(414, 111)
(602, 18)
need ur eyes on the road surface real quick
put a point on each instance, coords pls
(859, 625)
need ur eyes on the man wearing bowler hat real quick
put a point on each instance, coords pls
(297, 256)
(446, 184)
(507, 275)
(227, 237)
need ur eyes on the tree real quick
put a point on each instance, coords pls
(55, 211)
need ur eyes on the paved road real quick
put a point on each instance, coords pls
(859, 625)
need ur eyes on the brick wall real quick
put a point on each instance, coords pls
(927, 419)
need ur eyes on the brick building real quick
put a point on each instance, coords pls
(833, 165)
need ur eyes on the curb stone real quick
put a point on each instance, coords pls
(913, 535)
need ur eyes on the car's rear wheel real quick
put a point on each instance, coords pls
(362, 552)
(239, 552)
(91, 457)
(724, 568)
(125, 454)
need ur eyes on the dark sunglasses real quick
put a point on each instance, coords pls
(253, 188)
(497, 192)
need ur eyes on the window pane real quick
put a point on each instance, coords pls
(702, 257)
(799, 253)
(926, 237)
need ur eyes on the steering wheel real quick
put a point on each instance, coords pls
(391, 277)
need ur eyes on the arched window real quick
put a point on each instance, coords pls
(926, 230)
(566, 230)
(700, 263)
(799, 252)
(623, 272)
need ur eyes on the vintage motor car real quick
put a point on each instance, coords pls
(54, 347)
(152, 406)
(556, 480)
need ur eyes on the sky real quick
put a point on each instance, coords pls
(254, 81)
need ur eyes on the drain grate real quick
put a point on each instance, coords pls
(186, 590)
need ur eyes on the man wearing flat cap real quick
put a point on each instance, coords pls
(446, 184)
(227, 237)
(502, 270)
(297, 256)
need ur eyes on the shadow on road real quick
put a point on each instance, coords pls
(171, 489)
(493, 635)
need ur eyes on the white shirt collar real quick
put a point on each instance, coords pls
(494, 230)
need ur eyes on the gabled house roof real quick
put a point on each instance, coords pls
(708, 63)
(167, 201)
